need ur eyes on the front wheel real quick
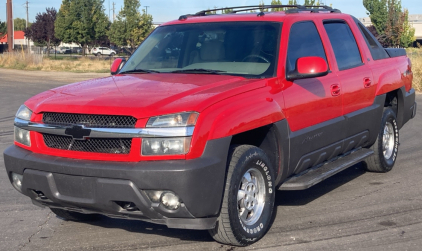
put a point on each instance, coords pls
(387, 145)
(248, 203)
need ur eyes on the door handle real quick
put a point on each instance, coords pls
(367, 82)
(335, 90)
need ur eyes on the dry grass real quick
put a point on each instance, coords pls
(23, 61)
(415, 56)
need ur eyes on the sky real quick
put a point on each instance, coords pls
(167, 10)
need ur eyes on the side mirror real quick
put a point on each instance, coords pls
(117, 65)
(309, 67)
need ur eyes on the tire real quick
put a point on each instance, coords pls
(112, 54)
(74, 216)
(250, 178)
(99, 54)
(386, 146)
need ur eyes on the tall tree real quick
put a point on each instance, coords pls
(81, 21)
(19, 24)
(42, 30)
(378, 12)
(130, 27)
(391, 22)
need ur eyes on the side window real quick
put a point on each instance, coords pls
(304, 41)
(344, 44)
(376, 49)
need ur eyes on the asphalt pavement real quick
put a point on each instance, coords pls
(353, 210)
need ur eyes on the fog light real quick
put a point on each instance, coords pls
(22, 136)
(170, 201)
(17, 181)
(154, 196)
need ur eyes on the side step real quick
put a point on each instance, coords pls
(313, 176)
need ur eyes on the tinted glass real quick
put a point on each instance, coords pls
(377, 51)
(344, 45)
(247, 49)
(304, 41)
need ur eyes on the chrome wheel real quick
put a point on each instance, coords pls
(251, 196)
(388, 140)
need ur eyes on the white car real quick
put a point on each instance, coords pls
(98, 51)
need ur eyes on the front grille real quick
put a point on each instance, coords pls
(93, 121)
(94, 145)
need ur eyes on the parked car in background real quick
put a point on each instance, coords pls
(64, 50)
(98, 51)
(77, 50)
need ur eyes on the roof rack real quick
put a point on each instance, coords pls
(291, 9)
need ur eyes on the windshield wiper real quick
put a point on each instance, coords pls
(140, 71)
(200, 71)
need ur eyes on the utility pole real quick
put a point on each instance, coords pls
(10, 37)
(28, 47)
(114, 8)
(146, 9)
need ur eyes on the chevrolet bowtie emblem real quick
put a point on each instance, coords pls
(78, 132)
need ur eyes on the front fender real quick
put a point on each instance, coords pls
(235, 115)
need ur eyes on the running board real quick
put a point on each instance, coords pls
(314, 176)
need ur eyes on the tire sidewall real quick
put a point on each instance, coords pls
(390, 117)
(253, 158)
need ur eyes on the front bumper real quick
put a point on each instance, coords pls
(101, 187)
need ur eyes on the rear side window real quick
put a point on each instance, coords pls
(376, 49)
(304, 41)
(344, 44)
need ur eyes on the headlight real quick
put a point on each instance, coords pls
(24, 113)
(22, 136)
(165, 146)
(174, 120)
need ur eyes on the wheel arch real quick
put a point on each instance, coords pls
(398, 101)
(273, 140)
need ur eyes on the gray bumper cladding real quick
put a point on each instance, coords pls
(106, 187)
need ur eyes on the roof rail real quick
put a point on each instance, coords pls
(290, 9)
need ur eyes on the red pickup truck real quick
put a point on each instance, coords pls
(210, 116)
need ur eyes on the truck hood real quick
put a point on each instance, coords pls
(142, 95)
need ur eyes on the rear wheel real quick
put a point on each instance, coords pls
(248, 203)
(387, 144)
(74, 216)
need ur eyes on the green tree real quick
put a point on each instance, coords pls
(408, 36)
(3, 28)
(81, 21)
(378, 12)
(276, 2)
(310, 2)
(390, 22)
(130, 27)
(20, 24)
(227, 11)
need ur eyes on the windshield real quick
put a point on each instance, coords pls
(246, 49)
